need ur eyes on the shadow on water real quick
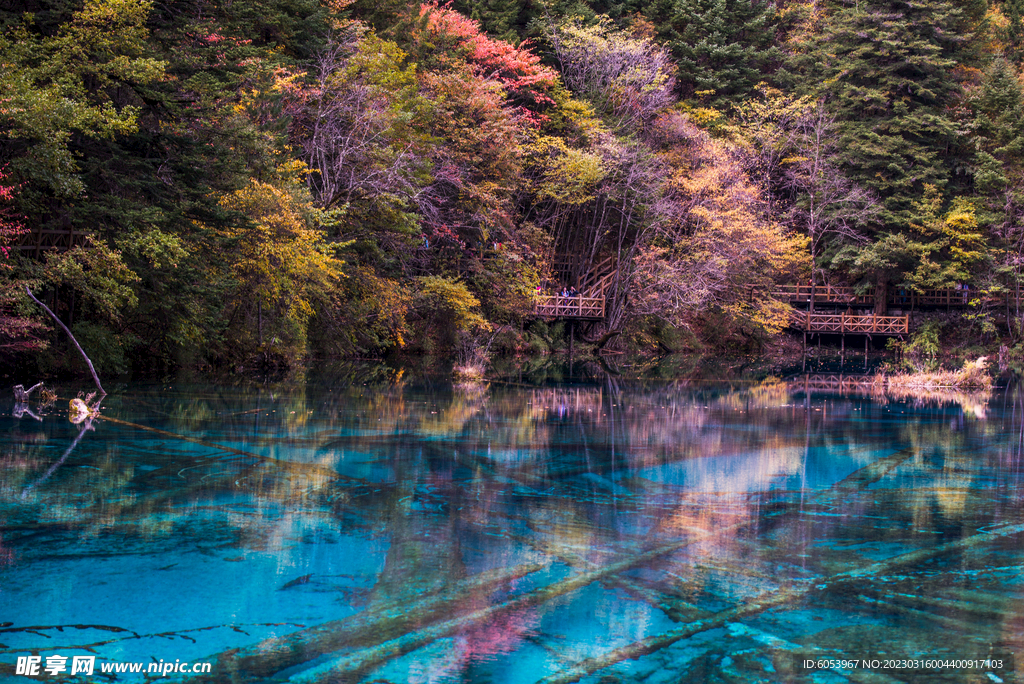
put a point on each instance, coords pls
(575, 524)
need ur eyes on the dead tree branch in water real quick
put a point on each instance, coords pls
(21, 395)
(81, 351)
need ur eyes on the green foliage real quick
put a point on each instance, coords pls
(883, 67)
(925, 342)
(567, 175)
(109, 352)
(56, 86)
(281, 262)
(1012, 34)
(949, 246)
(273, 178)
(369, 313)
(723, 48)
(451, 302)
(98, 273)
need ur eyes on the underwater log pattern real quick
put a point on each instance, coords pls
(398, 531)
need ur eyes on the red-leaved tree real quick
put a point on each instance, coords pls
(18, 330)
(518, 71)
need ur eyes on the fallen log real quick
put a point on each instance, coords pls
(874, 471)
(21, 395)
(352, 666)
(302, 468)
(670, 605)
(257, 662)
(988, 611)
(889, 606)
(654, 643)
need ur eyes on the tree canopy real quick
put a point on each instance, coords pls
(259, 181)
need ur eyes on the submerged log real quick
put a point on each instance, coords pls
(258, 662)
(672, 606)
(795, 653)
(353, 666)
(284, 466)
(654, 643)
(993, 612)
(899, 608)
(874, 471)
(657, 642)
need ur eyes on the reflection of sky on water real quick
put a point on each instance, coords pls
(416, 514)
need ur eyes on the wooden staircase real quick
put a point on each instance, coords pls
(595, 283)
(600, 277)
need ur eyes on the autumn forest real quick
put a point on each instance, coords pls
(201, 184)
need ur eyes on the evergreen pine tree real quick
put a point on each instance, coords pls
(1012, 35)
(885, 70)
(998, 128)
(724, 46)
(501, 19)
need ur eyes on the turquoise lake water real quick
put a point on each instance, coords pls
(797, 530)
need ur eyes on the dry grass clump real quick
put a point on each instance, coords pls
(971, 387)
(469, 372)
(973, 376)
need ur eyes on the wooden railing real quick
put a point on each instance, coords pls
(40, 240)
(948, 298)
(595, 280)
(823, 294)
(897, 297)
(570, 307)
(843, 323)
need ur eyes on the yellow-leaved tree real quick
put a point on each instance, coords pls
(717, 251)
(282, 265)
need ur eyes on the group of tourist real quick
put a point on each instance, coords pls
(569, 292)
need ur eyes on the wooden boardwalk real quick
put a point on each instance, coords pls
(897, 297)
(39, 240)
(941, 298)
(555, 306)
(823, 294)
(843, 324)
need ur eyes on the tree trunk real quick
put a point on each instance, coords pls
(259, 321)
(881, 297)
(605, 339)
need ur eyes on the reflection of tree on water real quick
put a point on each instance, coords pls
(424, 552)
(80, 413)
(21, 409)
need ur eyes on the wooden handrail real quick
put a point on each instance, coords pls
(824, 294)
(850, 323)
(896, 296)
(569, 307)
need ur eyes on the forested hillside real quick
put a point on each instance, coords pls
(194, 184)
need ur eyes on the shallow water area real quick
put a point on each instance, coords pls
(402, 530)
